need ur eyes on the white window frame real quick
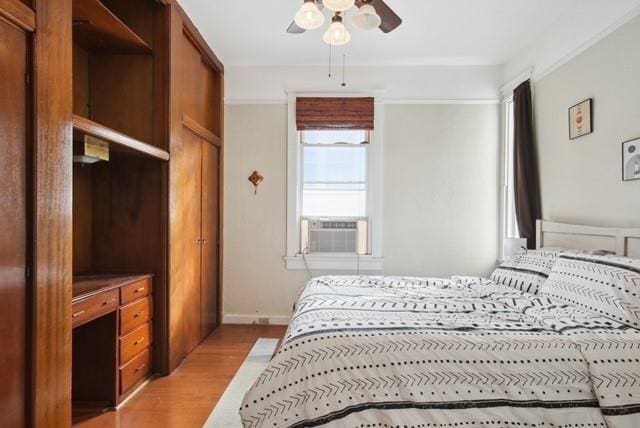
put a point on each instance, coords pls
(508, 222)
(294, 260)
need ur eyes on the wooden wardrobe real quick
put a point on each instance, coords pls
(137, 75)
(195, 215)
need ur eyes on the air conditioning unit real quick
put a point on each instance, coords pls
(333, 235)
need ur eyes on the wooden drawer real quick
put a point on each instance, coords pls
(135, 370)
(134, 315)
(135, 342)
(93, 307)
(135, 290)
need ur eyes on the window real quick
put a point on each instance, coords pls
(334, 205)
(335, 173)
(509, 222)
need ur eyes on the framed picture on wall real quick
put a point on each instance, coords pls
(631, 160)
(581, 119)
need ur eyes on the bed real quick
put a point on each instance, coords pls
(374, 351)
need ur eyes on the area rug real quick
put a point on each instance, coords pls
(225, 414)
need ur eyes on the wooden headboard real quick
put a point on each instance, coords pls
(622, 241)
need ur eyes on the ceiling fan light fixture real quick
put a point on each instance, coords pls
(309, 16)
(367, 18)
(337, 34)
(338, 5)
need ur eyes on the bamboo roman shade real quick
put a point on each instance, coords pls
(334, 113)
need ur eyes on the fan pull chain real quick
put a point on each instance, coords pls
(330, 52)
(344, 69)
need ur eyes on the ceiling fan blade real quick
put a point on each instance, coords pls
(294, 29)
(390, 20)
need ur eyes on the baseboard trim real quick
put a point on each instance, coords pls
(255, 319)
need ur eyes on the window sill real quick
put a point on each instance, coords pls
(334, 262)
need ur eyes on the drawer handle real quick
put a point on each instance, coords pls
(138, 314)
(77, 314)
(139, 341)
(108, 302)
(140, 368)
(139, 290)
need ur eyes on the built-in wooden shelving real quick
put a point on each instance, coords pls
(118, 140)
(97, 29)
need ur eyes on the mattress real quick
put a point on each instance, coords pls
(372, 351)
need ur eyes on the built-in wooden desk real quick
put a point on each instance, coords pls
(112, 338)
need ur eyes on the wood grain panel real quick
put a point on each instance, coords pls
(135, 14)
(134, 315)
(81, 100)
(191, 257)
(93, 307)
(52, 224)
(122, 94)
(118, 142)
(210, 227)
(13, 225)
(176, 179)
(195, 94)
(135, 342)
(135, 290)
(82, 218)
(95, 363)
(127, 219)
(134, 371)
(97, 29)
(200, 88)
(18, 13)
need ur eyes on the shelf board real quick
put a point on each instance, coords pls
(97, 29)
(118, 140)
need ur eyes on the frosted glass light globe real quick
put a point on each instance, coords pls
(339, 5)
(309, 16)
(337, 34)
(367, 18)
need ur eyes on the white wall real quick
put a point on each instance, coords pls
(440, 200)
(441, 189)
(581, 179)
(570, 35)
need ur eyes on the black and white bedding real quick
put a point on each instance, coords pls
(461, 352)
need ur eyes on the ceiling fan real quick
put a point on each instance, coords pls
(371, 14)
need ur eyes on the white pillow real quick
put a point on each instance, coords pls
(607, 285)
(527, 270)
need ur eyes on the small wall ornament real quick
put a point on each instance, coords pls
(256, 178)
(631, 160)
(581, 119)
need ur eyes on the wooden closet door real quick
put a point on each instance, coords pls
(13, 224)
(191, 218)
(210, 222)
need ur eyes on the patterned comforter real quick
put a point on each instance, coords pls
(465, 352)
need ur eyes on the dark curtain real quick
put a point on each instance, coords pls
(525, 166)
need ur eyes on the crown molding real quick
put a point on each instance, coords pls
(255, 101)
(535, 73)
(386, 101)
(420, 101)
(626, 18)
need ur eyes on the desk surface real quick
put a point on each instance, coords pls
(89, 285)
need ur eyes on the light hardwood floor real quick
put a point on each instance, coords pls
(186, 397)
